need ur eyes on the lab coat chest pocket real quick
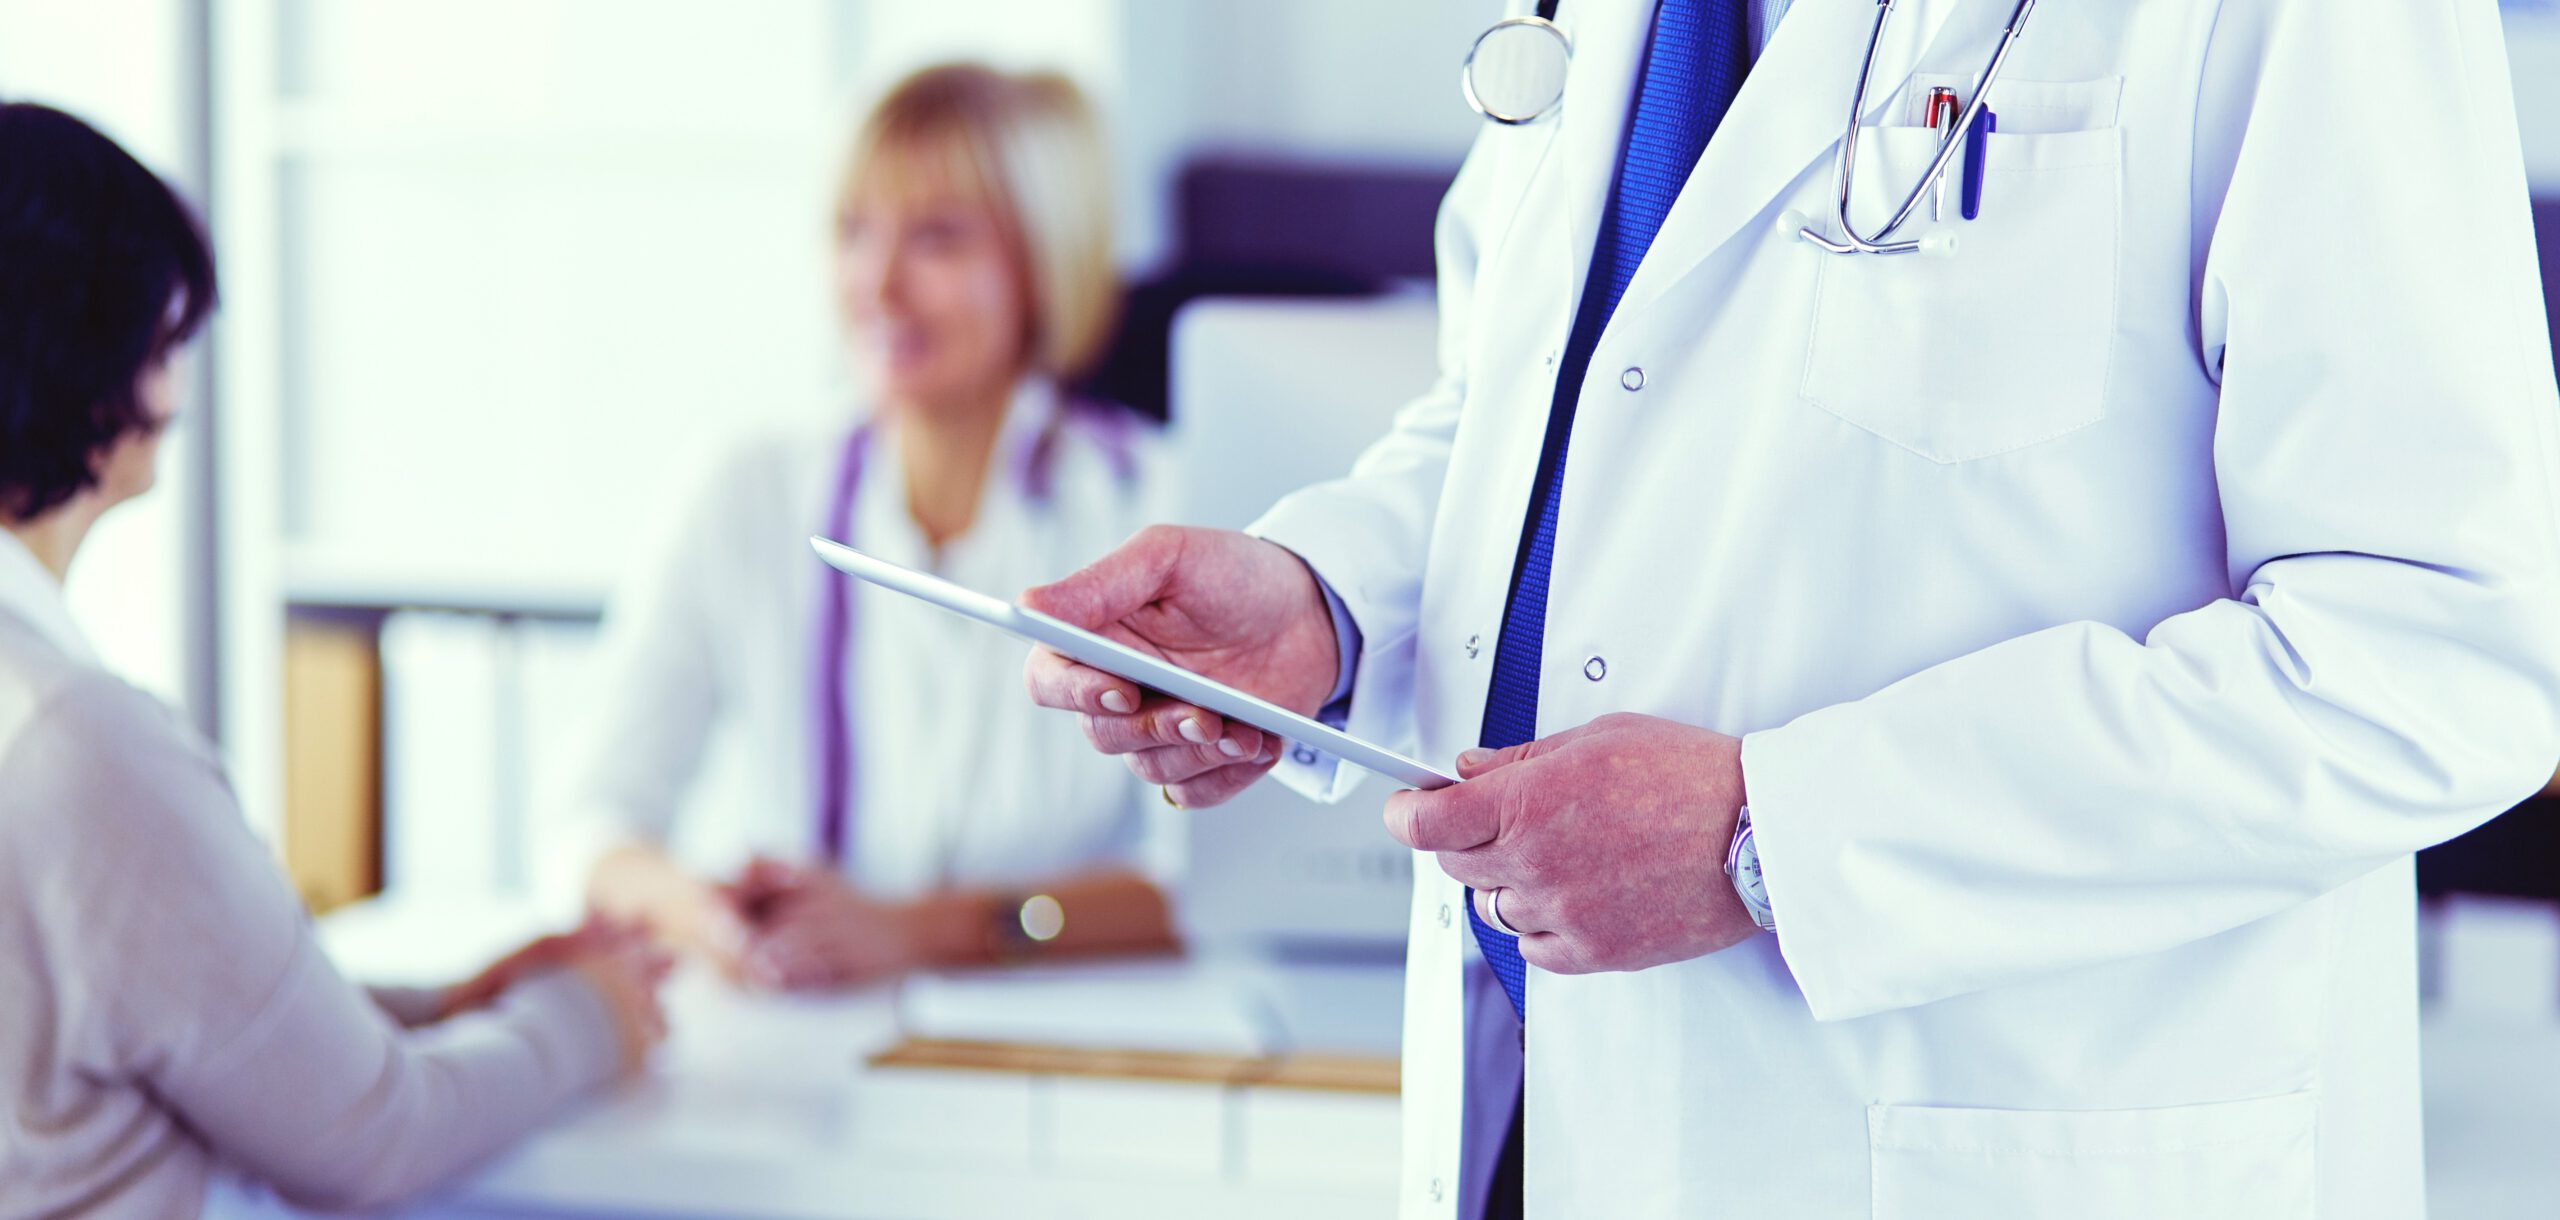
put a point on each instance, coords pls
(2241, 1160)
(2005, 344)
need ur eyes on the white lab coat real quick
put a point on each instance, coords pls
(701, 732)
(2110, 610)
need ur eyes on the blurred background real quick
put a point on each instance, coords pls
(500, 272)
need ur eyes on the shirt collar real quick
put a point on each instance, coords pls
(1033, 404)
(1033, 408)
(29, 593)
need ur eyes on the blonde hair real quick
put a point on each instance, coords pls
(1026, 145)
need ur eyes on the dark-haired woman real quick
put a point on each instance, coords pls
(163, 1009)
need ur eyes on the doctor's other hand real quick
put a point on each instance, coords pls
(1607, 841)
(1235, 608)
(808, 929)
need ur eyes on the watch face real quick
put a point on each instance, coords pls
(1742, 863)
(1746, 873)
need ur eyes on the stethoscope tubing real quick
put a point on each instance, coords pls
(1845, 168)
(831, 713)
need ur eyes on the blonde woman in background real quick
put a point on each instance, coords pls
(904, 807)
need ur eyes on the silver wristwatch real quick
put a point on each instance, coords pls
(1742, 867)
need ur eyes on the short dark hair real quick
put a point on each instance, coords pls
(103, 270)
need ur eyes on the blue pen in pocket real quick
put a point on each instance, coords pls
(1984, 123)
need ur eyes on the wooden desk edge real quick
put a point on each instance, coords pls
(1327, 1073)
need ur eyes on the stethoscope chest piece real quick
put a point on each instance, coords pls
(1514, 73)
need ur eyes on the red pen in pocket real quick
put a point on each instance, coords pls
(1944, 110)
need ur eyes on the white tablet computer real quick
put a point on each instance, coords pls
(1115, 658)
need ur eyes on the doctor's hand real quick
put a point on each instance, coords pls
(1220, 603)
(808, 929)
(1607, 841)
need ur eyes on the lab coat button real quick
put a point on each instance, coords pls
(1596, 668)
(1474, 642)
(1633, 379)
(1436, 1190)
(1304, 756)
(1444, 915)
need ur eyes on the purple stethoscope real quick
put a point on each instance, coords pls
(1034, 470)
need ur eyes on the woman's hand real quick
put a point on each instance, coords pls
(551, 952)
(626, 973)
(718, 919)
(639, 883)
(615, 958)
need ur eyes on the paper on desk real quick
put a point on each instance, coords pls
(1161, 1006)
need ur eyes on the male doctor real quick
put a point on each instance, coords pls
(2069, 640)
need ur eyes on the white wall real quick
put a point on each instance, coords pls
(534, 260)
(1322, 78)
(2533, 44)
(1359, 80)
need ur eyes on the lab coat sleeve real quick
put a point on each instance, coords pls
(2387, 674)
(626, 769)
(1367, 534)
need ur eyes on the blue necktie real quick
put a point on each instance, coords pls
(1693, 66)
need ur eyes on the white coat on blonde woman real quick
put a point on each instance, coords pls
(706, 684)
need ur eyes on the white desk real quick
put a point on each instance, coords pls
(761, 1106)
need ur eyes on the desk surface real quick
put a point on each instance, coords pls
(761, 1106)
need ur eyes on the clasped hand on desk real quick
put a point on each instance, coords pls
(790, 926)
(802, 926)
(1608, 839)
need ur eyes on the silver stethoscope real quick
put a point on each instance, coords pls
(1514, 75)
